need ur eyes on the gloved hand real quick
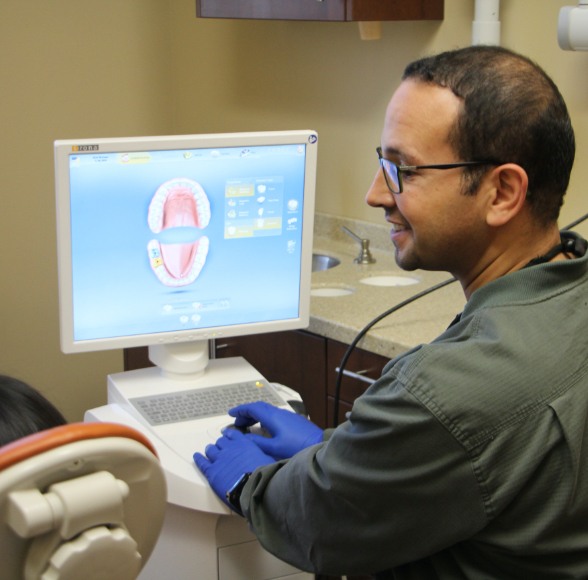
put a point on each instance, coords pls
(289, 432)
(228, 460)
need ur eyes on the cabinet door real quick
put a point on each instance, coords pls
(366, 10)
(135, 358)
(295, 359)
(362, 369)
(328, 10)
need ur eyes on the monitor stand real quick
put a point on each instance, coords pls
(182, 361)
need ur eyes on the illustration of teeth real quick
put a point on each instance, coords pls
(178, 202)
(178, 264)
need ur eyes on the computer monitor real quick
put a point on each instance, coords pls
(168, 242)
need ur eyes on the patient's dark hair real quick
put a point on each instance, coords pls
(512, 112)
(23, 410)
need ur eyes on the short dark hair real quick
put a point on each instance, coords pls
(24, 411)
(511, 112)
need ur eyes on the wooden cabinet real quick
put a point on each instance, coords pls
(326, 10)
(362, 369)
(300, 360)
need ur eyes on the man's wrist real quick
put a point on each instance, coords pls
(233, 495)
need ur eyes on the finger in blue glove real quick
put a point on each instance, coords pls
(288, 432)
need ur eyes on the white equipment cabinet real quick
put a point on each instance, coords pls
(201, 538)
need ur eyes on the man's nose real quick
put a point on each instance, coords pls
(378, 194)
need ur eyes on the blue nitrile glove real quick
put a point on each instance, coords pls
(228, 459)
(289, 432)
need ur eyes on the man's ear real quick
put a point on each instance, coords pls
(509, 184)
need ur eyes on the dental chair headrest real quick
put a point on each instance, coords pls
(84, 500)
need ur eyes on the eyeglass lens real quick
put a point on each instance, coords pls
(391, 175)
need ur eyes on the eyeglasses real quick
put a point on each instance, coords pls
(393, 173)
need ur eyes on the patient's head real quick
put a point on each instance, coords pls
(23, 411)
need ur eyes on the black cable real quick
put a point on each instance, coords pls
(367, 327)
(576, 222)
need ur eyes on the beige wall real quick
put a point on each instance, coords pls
(75, 68)
(69, 68)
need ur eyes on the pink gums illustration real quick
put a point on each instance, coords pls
(178, 203)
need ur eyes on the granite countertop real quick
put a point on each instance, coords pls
(341, 317)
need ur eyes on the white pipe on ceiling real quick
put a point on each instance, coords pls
(486, 25)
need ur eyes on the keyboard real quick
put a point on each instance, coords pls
(193, 404)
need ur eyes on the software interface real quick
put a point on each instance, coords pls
(185, 239)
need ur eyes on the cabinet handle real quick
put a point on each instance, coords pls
(215, 347)
(358, 375)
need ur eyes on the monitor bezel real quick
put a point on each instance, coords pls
(62, 151)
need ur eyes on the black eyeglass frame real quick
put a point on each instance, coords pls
(384, 163)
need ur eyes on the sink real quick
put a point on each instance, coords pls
(389, 280)
(323, 262)
(331, 291)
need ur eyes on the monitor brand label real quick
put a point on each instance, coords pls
(80, 148)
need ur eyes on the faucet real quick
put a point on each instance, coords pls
(365, 256)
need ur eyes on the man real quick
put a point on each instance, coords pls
(468, 458)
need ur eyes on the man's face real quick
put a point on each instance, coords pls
(435, 226)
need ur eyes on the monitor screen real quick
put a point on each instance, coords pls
(166, 240)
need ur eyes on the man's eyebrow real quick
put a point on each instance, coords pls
(395, 154)
(391, 152)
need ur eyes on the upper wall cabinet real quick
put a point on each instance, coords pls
(327, 10)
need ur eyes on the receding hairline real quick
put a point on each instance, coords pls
(453, 69)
